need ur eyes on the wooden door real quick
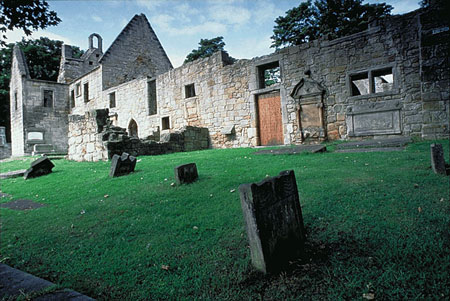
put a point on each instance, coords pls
(270, 125)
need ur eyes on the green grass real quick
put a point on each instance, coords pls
(366, 233)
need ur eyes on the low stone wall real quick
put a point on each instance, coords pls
(92, 138)
(5, 151)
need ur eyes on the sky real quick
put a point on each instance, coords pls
(246, 25)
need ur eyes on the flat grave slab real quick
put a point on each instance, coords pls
(376, 143)
(4, 195)
(13, 174)
(22, 205)
(14, 283)
(293, 150)
(370, 149)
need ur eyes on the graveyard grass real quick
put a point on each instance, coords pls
(377, 226)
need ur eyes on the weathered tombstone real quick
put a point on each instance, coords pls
(186, 173)
(437, 159)
(40, 167)
(2, 135)
(122, 165)
(274, 221)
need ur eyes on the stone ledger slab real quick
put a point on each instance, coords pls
(22, 205)
(274, 221)
(186, 173)
(437, 159)
(40, 167)
(13, 174)
(14, 283)
(122, 165)
(294, 150)
(372, 143)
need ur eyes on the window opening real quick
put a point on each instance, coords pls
(165, 123)
(269, 74)
(152, 106)
(72, 99)
(86, 92)
(78, 88)
(384, 80)
(112, 100)
(90, 63)
(15, 101)
(48, 98)
(360, 84)
(189, 90)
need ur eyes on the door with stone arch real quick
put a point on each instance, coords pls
(269, 119)
(133, 129)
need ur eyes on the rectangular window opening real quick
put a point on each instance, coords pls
(189, 90)
(165, 123)
(48, 98)
(86, 92)
(15, 101)
(112, 100)
(152, 103)
(383, 79)
(72, 99)
(360, 84)
(269, 74)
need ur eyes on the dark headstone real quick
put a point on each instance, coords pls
(122, 165)
(186, 173)
(40, 167)
(437, 159)
(274, 221)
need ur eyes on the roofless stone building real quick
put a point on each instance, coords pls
(390, 80)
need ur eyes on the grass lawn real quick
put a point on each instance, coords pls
(377, 223)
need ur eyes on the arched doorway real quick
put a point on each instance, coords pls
(133, 129)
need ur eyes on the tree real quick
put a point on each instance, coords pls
(207, 48)
(325, 18)
(42, 56)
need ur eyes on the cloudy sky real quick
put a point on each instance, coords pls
(246, 25)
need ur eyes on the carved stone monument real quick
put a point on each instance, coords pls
(186, 173)
(122, 165)
(274, 221)
(437, 159)
(40, 167)
(309, 95)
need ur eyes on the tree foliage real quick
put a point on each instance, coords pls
(324, 18)
(26, 15)
(207, 48)
(42, 55)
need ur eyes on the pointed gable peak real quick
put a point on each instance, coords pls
(21, 61)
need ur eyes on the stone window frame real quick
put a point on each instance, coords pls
(78, 89)
(188, 92)
(165, 125)
(370, 75)
(110, 95)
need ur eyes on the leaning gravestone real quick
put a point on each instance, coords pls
(186, 173)
(274, 221)
(437, 159)
(122, 165)
(40, 167)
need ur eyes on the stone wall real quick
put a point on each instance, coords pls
(93, 138)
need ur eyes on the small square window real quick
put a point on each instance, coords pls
(165, 123)
(383, 79)
(78, 89)
(112, 100)
(360, 84)
(86, 92)
(90, 63)
(48, 98)
(189, 90)
(269, 74)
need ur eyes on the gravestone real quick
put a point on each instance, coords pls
(437, 159)
(186, 173)
(2, 135)
(40, 167)
(122, 165)
(274, 221)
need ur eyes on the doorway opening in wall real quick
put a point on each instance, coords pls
(270, 126)
(133, 129)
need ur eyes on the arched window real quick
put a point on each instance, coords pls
(133, 129)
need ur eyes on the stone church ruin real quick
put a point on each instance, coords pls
(390, 80)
